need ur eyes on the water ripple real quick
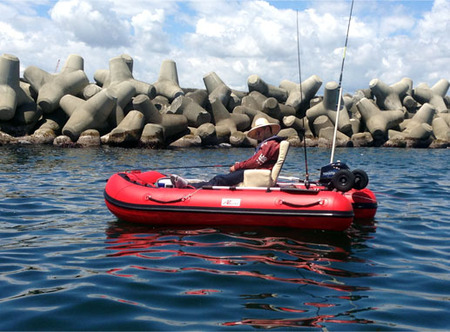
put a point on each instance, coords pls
(67, 264)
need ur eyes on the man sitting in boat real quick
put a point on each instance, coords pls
(265, 157)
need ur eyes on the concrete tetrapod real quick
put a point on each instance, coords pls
(152, 136)
(195, 114)
(410, 103)
(217, 89)
(417, 137)
(235, 99)
(129, 131)
(200, 96)
(424, 115)
(51, 88)
(434, 95)
(256, 83)
(119, 71)
(238, 138)
(321, 122)
(271, 106)
(249, 101)
(102, 77)
(260, 102)
(348, 101)
(389, 97)
(167, 84)
(90, 137)
(242, 121)
(252, 107)
(300, 125)
(7, 139)
(291, 136)
(328, 107)
(364, 139)
(9, 86)
(86, 114)
(356, 124)
(90, 90)
(308, 88)
(378, 122)
(124, 92)
(420, 132)
(15, 103)
(160, 129)
(161, 103)
(225, 125)
(74, 62)
(54, 121)
(187, 141)
(326, 138)
(407, 100)
(418, 128)
(207, 134)
(250, 112)
(441, 129)
(43, 136)
(255, 101)
(446, 117)
(228, 124)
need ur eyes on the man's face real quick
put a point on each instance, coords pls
(264, 133)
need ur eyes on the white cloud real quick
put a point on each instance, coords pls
(388, 40)
(10, 35)
(209, 29)
(396, 24)
(93, 23)
(148, 32)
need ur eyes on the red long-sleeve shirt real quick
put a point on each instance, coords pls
(265, 157)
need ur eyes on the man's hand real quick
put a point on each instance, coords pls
(232, 169)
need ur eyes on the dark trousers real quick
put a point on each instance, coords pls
(230, 179)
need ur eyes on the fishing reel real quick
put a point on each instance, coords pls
(339, 176)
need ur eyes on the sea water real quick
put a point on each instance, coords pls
(66, 263)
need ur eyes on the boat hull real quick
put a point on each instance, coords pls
(133, 198)
(364, 203)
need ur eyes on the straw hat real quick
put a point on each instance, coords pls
(261, 123)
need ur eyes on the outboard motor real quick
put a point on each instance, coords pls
(338, 176)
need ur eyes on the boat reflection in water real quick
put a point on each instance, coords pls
(260, 277)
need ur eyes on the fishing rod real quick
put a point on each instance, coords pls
(185, 167)
(301, 99)
(57, 65)
(340, 87)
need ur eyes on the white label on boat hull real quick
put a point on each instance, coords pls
(231, 202)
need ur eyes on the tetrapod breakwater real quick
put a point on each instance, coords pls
(67, 109)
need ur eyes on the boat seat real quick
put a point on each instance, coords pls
(266, 177)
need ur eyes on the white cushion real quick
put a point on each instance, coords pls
(257, 178)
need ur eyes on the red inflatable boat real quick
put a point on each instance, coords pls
(146, 197)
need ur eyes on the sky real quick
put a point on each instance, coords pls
(388, 39)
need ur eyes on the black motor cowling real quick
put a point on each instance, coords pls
(338, 176)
